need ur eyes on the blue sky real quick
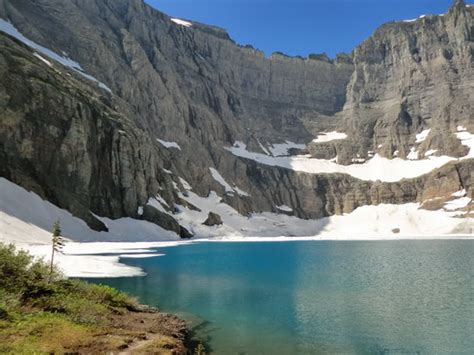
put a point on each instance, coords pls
(300, 27)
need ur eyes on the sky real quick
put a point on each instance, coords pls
(299, 27)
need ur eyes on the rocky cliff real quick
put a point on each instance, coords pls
(157, 105)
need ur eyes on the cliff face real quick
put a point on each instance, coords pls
(412, 76)
(92, 151)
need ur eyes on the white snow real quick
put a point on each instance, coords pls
(420, 137)
(157, 202)
(99, 259)
(140, 210)
(329, 136)
(26, 220)
(413, 155)
(228, 189)
(461, 128)
(8, 28)
(460, 193)
(185, 184)
(467, 139)
(457, 203)
(377, 168)
(265, 150)
(168, 144)
(218, 177)
(368, 222)
(430, 152)
(282, 149)
(47, 62)
(167, 171)
(241, 192)
(414, 19)
(181, 22)
(284, 208)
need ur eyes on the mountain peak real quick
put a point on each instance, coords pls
(459, 3)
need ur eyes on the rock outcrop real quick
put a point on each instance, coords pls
(213, 219)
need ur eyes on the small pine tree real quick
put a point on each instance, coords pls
(58, 243)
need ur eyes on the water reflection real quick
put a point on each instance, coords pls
(309, 297)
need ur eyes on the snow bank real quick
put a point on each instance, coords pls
(377, 168)
(228, 189)
(8, 28)
(26, 220)
(284, 208)
(420, 137)
(181, 22)
(18, 205)
(168, 144)
(379, 222)
(94, 260)
(329, 136)
(457, 204)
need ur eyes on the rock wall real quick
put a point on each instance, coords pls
(88, 150)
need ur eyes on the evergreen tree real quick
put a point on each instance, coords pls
(58, 243)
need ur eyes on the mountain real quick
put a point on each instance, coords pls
(113, 111)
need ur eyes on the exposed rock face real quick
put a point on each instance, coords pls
(94, 152)
(213, 219)
(409, 77)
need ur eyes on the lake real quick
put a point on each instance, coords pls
(310, 297)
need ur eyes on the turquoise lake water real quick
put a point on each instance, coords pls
(310, 297)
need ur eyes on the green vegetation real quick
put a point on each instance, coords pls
(42, 312)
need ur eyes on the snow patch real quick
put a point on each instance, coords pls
(467, 139)
(47, 62)
(420, 137)
(157, 203)
(99, 259)
(430, 152)
(185, 184)
(181, 22)
(329, 136)
(378, 223)
(8, 28)
(265, 150)
(284, 208)
(377, 168)
(168, 144)
(413, 155)
(228, 189)
(26, 218)
(460, 193)
(457, 204)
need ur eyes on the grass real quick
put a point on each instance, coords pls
(46, 313)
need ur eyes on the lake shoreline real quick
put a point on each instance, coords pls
(105, 259)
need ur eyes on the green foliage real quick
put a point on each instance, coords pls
(58, 240)
(34, 303)
(56, 229)
(19, 270)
